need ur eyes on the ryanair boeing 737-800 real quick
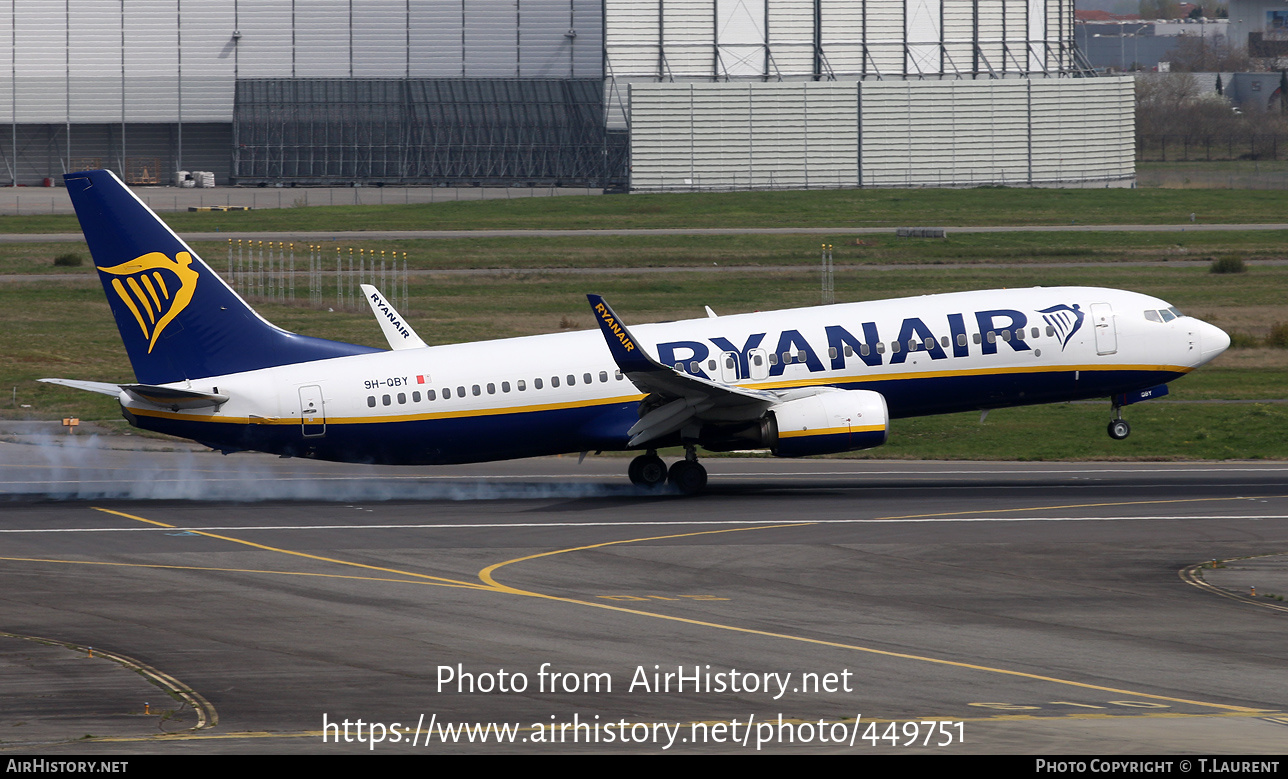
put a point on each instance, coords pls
(796, 382)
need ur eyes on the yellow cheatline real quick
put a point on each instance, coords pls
(208, 417)
(487, 576)
(336, 561)
(1056, 368)
(498, 411)
(830, 431)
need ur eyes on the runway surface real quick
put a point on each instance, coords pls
(825, 605)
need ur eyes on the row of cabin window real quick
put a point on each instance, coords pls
(895, 347)
(477, 390)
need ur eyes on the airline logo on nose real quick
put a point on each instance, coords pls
(155, 289)
(1065, 320)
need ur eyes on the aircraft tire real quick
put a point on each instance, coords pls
(647, 471)
(687, 478)
(1119, 429)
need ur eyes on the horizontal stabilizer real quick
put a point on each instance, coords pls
(397, 332)
(101, 387)
(166, 397)
(173, 398)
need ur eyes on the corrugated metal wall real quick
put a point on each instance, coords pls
(820, 40)
(1019, 132)
(138, 73)
(160, 54)
(430, 131)
(1023, 132)
(744, 136)
(934, 133)
(716, 40)
(133, 63)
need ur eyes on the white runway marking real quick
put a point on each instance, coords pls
(644, 523)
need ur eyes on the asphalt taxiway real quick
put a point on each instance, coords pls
(997, 607)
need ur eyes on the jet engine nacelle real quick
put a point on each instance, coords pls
(827, 421)
(833, 420)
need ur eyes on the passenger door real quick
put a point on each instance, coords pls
(312, 411)
(1102, 319)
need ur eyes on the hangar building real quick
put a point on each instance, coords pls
(646, 94)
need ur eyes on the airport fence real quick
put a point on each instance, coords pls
(1187, 148)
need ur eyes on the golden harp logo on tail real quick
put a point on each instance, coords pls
(155, 288)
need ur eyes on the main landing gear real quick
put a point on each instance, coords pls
(647, 470)
(1118, 427)
(686, 476)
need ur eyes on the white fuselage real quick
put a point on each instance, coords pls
(563, 392)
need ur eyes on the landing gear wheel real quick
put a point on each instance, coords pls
(1119, 429)
(647, 470)
(687, 477)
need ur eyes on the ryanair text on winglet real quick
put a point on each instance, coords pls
(388, 314)
(612, 325)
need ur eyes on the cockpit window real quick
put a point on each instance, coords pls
(1164, 315)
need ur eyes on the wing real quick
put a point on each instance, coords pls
(675, 398)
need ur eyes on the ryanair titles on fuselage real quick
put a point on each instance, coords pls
(913, 330)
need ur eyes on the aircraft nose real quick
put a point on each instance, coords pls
(1212, 342)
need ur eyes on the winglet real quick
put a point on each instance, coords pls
(628, 355)
(397, 332)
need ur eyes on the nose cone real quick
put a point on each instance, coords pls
(1212, 342)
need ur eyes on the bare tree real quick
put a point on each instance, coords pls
(1198, 54)
(1160, 9)
(1171, 104)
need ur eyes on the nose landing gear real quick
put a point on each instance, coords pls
(1118, 427)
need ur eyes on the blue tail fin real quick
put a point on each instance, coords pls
(178, 319)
